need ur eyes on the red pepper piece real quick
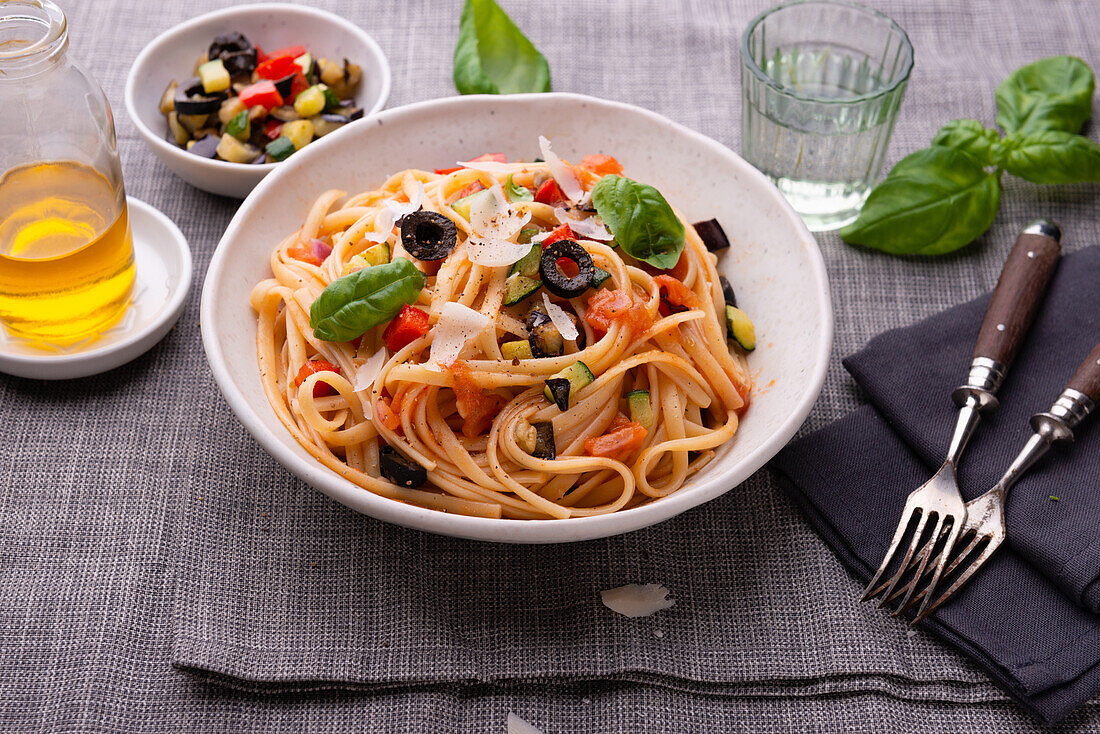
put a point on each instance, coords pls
(277, 67)
(261, 93)
(272, 128)
(561, 232)
(313, 366)
(550, 193)
(410, 323)
(445, 171)
(292, 51)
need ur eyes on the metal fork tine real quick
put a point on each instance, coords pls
(907, 518)
(953, 562)
(913, 545)
(962, 579)
(933, 539)
(956, 531)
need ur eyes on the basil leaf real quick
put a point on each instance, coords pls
(493, 56)
(971, 137)
(642, 221)
(1049, 94)
(366, 298)
(933, 201)
(516, 192)
(1053, 157)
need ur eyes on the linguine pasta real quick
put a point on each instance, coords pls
(468, 422)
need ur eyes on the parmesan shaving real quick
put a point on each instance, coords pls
(562, 172)
(535, 239)
(400, 210)
(592, 228)
(457, 325)
(489, 166)
(383, 226)
(517, 725)
(637, 600)
(562, 322)
(493, 225)
(368, 371)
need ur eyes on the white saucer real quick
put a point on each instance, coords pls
(162, 259)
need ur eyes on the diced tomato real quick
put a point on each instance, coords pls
(313, 366)
(476, 408)
(567, 267)
(607, 307)
(445, 171)
(292, 51)
(388, 412)
(473, 188)
(622, 439)
(409, 324)
(561, 232)
(602, 165)
(313, 252)
(261, 93)
(550, 193)
(277, 67)
(677, 295)
(495, 157)
(272, 128)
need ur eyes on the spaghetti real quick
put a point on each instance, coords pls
(461, 394)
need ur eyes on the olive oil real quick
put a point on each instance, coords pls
(66, 254)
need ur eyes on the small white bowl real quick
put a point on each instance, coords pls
(162, 260)
(172, 54)
(773, 262)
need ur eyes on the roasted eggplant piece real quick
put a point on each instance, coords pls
(286, 113)
(558, 282)
(168, 99)
(543, 336)
(285, 85)
(428, 236)
(727, 291)
(400, 470)
(537, 439)
(191, 99)
(206, 146)
(712, 235)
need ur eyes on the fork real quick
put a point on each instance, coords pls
(984, 530)
(1020, 288)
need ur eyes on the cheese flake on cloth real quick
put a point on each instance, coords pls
(493, 225)
(517, 725)
(637, 600)
(562, 172)
(457, 325)
(562, 322)
(591, 228)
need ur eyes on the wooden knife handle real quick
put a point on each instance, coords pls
(1087, 377)
(1019, 292)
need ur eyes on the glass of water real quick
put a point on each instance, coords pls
(822, 82)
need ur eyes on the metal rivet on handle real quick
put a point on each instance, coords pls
(1031, 254)
(1000, 327)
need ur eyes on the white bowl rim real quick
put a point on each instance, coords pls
(509, 530)
(169, 36)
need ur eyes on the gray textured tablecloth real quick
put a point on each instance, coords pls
(158, 571)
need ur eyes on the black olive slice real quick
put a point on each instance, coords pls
(285, 85)
(712, 235)
(228, 43)
(545, 447)
(727, 291)
(401, 471)
(555, 280)
(428, 235)
(206, 146)
(192, 100)
(559, 388)
(239, 62)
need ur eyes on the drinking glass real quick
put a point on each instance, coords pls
(822, 82)
(66, 252)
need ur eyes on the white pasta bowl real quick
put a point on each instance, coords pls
(773, 263)
(172, 54)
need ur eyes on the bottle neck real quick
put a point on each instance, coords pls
(33, 38)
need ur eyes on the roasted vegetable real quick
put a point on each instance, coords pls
(518, 287)
(740, 328)
(400, 470)
(279, 149)
(543, 336)
(537, 439)
(207, 146)
(712, 235)
(727, 292)
(234, 151)
(561, 389)
(519, 349)
(214, 76)
(168, 99)
(192, 99)
(640, 409)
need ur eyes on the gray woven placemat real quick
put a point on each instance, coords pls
(142, 527)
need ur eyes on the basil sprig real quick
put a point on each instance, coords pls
(366, 298)
(940, 199)
(516, 192)
(493, 56)
(642, 221)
